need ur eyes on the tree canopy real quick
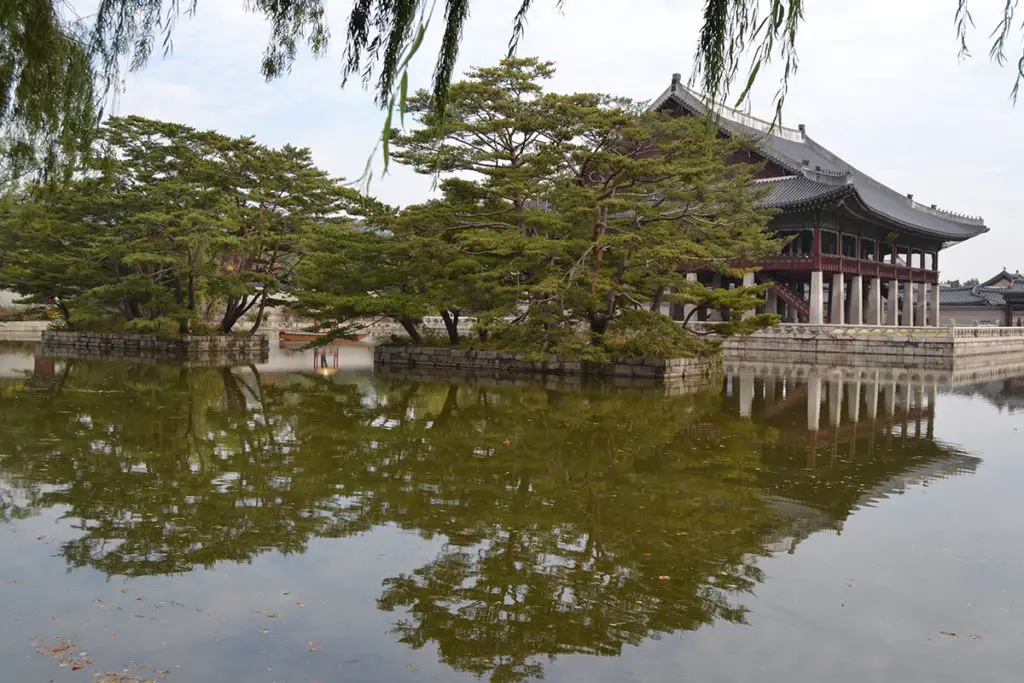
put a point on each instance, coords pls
(51, 60)
(558, 214)
(167, 228)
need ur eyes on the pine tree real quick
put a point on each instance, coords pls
(575, 208)
(173, 225)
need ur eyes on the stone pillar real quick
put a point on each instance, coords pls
(935, 317)
(835, 401)
(872, 397)
(817, 298)
(908, 304)
(771, 301)
(715, 315)
(813, 403)
(688, 308)
(923, 290)
(665, 309)
(891, 398)
(874, 307)
(853, 401)
(892, 305)
(746, 393)
(837, 298)
(855, 316)
(748, 281)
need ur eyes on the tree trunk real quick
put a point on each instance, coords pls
(409, 325)
(656, 302)
(451, 324)
(65, 313)
(259, 314)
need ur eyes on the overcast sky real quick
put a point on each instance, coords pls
(879, 84)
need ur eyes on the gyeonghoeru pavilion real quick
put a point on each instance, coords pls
(859, 252)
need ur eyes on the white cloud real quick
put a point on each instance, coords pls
(879, 83)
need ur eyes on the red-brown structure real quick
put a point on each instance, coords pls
(858, 251)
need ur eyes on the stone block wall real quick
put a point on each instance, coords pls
(237, 348)
(677, 386)
(507, 363)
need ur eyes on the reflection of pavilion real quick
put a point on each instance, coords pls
(1004, 394)
(861, 435)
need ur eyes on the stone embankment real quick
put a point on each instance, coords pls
(881, 346)
(242, 349)
(508, 363)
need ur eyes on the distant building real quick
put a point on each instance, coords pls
(8, 299)
(996, 301)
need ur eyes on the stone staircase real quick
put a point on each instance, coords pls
(795, 301)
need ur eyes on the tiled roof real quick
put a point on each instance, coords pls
(1004, 275)
(795, 191)
(978, 296)
(800, 155)
(967, 296)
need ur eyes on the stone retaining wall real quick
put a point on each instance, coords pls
(242, 349)
(506, 363)
(878, 346)
(673, 386)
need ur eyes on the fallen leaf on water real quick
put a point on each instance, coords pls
(408, 666)
(508, 442)
(300, 604)
(948, 633)
(314, 649)
(264, 630)
(77, 665)
(313, 642)
(124, 590)
(663, 577)
(111, 635)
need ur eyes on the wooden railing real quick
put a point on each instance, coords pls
(834, 263)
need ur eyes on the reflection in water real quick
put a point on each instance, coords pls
(572, 521)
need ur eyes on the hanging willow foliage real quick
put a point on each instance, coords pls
(48, 93)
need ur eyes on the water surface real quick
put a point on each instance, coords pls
(291, 523)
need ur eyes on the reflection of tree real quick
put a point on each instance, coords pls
(166, 468)
(575, 522)
(562, 513)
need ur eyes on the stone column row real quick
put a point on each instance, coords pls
(920, 303)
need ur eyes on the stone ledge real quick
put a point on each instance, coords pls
(501, 362)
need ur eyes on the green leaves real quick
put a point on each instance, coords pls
(557, 214)
(169, 229)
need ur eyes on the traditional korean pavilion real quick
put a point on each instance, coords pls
(859, 253)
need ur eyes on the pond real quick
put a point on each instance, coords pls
(292, 523)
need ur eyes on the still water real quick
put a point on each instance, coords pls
(283, 524)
